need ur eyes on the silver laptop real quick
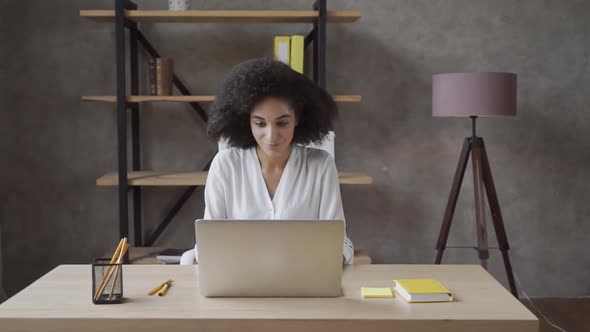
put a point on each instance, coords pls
(260, 258)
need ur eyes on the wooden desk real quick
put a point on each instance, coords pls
(147, 255)
(61, 301)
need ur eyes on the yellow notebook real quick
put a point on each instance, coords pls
(370, 292)
(297, 53)
(422, 290)
(283, 49)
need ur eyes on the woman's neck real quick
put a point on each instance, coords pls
(273, 162)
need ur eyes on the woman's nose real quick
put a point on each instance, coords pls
(272, 133)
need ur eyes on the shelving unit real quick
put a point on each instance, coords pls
(126, 17)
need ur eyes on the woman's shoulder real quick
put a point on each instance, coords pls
(313, 156)
(230, 157)
(231, 154)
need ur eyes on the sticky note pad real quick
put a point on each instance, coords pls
(369, 292)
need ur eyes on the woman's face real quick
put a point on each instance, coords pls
(273, 124)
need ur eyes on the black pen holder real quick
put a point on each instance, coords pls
(107, 282)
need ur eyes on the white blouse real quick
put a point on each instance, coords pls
(308, 189)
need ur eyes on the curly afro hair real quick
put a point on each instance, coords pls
(252, 81)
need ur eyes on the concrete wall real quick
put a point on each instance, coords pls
(54, 146)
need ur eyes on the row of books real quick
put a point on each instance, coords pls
(289, 50)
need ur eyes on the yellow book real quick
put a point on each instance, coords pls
(369, 292)
(297, 46)
(283, 49)
(422, 290)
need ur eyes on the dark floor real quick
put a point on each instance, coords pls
(571, 315)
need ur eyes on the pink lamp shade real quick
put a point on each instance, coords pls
(473, 94)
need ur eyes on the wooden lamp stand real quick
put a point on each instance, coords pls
(483, 184)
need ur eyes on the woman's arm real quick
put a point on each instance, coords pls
(331, 204)
(215, 192)
(214, 197)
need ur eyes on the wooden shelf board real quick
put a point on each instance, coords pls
(224, 16)
(142, 99)
(152, 178)
(188, 99)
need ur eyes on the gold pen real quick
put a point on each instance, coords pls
(162, 290)
(160, 287)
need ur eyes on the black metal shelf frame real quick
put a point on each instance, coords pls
(317, 35)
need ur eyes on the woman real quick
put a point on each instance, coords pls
(266, 112)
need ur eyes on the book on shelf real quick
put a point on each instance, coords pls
(152, 77)
(283, 49)
(165, 71)
(297, 48)
(160, 73)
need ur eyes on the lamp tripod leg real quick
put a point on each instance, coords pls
(450, 210)
(497, 218)
(480, 211)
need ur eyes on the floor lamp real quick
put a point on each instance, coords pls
(473, 95)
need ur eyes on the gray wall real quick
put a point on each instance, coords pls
(54, 146)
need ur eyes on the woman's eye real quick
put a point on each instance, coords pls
(282, 124)
(259, 124)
